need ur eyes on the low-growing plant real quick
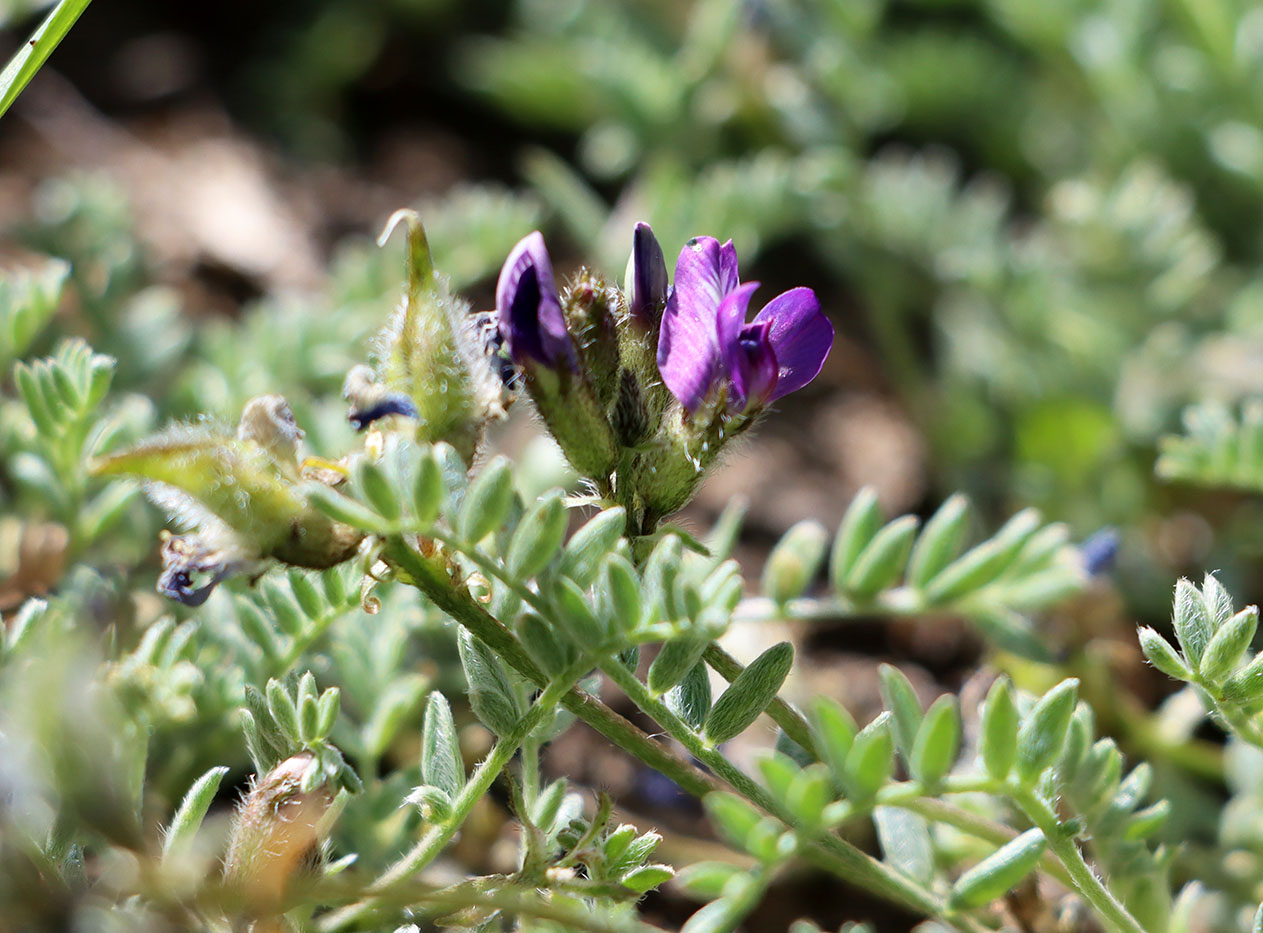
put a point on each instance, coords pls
(330, 609)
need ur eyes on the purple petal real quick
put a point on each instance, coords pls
(689, 356)
(699, 277)
(529, 307)
(801, 337)
(729, 322)
(727, 268)
(755, 374)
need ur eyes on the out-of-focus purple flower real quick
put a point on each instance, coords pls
(705, 340)
(1100, 551)
(646, 277)
(529, 307)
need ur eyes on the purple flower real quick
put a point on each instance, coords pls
(706, 342)
(529, 307)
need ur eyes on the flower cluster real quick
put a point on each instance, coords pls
(642, 387)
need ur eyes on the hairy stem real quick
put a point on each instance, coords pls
(441, 591)
(829, 852)
(1082, 877)
(475, 788)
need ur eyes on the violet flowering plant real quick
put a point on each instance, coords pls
(641, 387)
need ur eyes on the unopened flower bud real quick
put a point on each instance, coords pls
(646, 280)
(533, 326)
(588, 305)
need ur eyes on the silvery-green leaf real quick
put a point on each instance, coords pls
(871, 759)
(749, 694)
(1162, 655)
(537, 539)
(883, 559)
(487, 501)
(441, 763)
(192, 810)
(834, 731)
(676, 658)
(939, 541)
(690, 699)
(1192, 621)
(491, 693)
(937, 742)
(905, 708)
(1043, 733)
(427, 488)
(997, 737)
(794, 561)
(1229, 642)
(588, 546)
(862, 520)
(905, 842)
(997, 874)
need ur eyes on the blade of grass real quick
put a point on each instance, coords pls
(35, 51)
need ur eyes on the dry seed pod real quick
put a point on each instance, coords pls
(276, 833)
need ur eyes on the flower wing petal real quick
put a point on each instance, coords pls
(801, 337)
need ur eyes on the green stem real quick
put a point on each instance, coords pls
(475, 788)
(1244, 726)
(1082, 877)
(830, 852)
(972, 824)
